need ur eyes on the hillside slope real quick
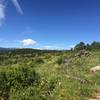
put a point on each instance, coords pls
(50, 76)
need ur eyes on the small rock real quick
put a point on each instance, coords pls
(94, 69)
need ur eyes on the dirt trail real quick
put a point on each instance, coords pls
(96, 97)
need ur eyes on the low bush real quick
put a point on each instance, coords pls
(59, 60)
(17, 77)
(38, 60)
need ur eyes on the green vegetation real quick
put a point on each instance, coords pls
(27, 74)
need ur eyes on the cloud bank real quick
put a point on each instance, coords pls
(28, 42)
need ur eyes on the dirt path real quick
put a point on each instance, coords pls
(96, 97)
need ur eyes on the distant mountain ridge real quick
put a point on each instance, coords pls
(5, 49)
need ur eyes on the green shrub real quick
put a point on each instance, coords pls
(29, 93)
(59, 60)
(40, 91)
(38, 60)
(47, 56)
(17, 77)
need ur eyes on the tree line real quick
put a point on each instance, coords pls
(94, 46)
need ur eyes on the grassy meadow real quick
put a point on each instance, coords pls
(48, 75)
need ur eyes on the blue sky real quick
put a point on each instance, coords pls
(53, 24)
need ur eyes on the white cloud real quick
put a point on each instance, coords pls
(2, 13)
(18, 7)
(28, 42)
(71, 46)
(3, 6)
(47, 47)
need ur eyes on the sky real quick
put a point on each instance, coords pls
(48, 24)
